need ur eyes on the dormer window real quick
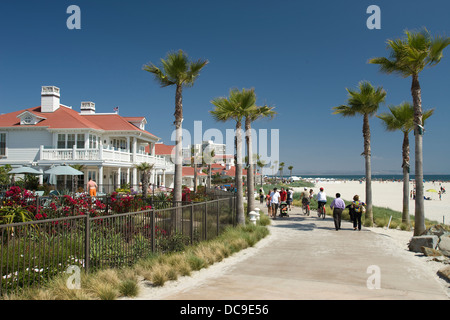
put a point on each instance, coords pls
(28, 118)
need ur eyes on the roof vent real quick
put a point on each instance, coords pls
(87, 108)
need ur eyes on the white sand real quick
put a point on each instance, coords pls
(390, 195)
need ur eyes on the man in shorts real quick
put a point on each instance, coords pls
(92, 187)
(275, 200)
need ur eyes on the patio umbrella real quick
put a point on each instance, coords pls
(24, 170)
(64, 171)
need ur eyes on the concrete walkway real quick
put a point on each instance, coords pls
(306, 258)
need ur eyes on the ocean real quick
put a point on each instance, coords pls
(426, 177)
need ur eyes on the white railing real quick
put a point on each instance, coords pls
(103, 154)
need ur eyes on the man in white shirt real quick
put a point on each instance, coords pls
(321, 198)
(275, 201)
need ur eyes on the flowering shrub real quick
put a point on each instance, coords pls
(82, 204)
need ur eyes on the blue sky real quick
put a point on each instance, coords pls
(298, 55)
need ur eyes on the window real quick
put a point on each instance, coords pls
(2, 144)
(61, 141)
(70, 141)
(80, 141)
(93, 141)
(119, 144)
(28, 119)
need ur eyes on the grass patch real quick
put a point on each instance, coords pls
(112, 284)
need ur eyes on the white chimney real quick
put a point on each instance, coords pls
(87, 107)
(50, 99)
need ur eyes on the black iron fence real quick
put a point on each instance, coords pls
(33, 252)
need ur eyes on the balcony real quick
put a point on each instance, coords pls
(103, 155)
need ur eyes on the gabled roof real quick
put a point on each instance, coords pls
(66, 118)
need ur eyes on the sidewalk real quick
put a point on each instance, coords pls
(306, 258)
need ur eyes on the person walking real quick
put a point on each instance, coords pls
(338, 205)
(358, 207)
(290, 197)
(261, 195)
(275, 199)
(268, 204)
(92, 187)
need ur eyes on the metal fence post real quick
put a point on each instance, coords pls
(153, 228)
(87, 243)
(192, 223)
(205, 221)
(217, 209)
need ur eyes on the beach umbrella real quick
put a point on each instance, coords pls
(64, 171)
(432, 190)
(24, 170)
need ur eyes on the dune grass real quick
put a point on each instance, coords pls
(156, 269)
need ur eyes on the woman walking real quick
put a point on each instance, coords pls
(358, 209)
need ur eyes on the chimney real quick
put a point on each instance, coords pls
(87, 108)
(50, 99)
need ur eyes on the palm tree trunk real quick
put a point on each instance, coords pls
(419, 215)
(405, 166)
(367, 154)
(178, 176)
(250, 172)
(178, 143)
(238, 179)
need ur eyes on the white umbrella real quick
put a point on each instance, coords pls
(64, 171)
(24, 170)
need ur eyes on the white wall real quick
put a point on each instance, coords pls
(23, 145)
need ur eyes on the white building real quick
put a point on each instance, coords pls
(106, 144)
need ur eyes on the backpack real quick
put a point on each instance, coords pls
(357, 206)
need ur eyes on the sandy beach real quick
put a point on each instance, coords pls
(389, 194)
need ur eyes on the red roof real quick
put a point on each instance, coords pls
(66, 118)
(189, 171)
(162, 149)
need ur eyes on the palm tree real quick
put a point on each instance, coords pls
(261, 164)
(281, 170)
(290, 170)
(177, 70)
(235, 107)
(408, 58)
(364, 102)
(145, 168)
(252, 115)
(401, 119)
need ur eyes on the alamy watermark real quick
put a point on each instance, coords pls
(74, 21)
(265, 143)
(74, 280)
(374, 21)
(374, 280)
